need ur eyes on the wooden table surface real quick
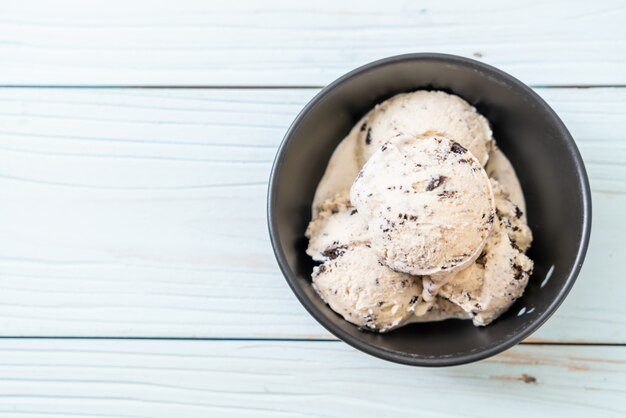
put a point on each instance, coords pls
(136, 274)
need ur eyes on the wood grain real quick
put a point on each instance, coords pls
(277, 42)
(298, 379)
(140, 212)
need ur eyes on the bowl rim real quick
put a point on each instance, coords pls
(415, 360)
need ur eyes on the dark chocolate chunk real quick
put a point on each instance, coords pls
(482, 259)
(363, 126)
(457, 148)
(352, 212)
(368, 137)
(448, 194)
(332, 253)
(518, 212)
(367, 327)
(435, 182)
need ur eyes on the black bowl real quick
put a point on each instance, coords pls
(527, 130)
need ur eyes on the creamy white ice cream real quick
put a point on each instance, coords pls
(336, 227)
(512, 217)
(367, 293)
(428, 203)
(499, 168)
(421, 111)
(367, 282)
(489, 287)
(341, 170)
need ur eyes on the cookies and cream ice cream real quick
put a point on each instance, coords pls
(336, 227)
(490, 286)
(419, 217)
(367, 293)
(512, 216)
(428, 204)
(422, 111)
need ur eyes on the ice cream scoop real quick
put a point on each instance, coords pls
(489, 286)
(421, 111)
(512, 217)
(337, 226)
(499, 168)
(366, 292)
(428, 204)
(341, 170)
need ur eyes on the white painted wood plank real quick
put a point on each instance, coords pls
(281, 42)
(299, 379)
(142, 213)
